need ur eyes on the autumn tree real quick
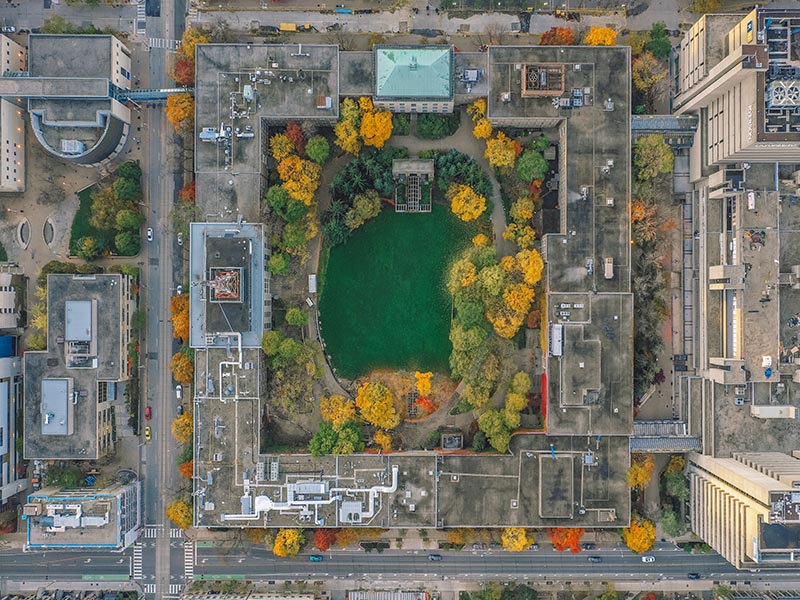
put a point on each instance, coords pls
(106, 205)
(182, 427)
(515, 539)
(646, 74)
(376, 128)
(423, 382)
(295, 133)
(531, 265)
(288, 543)
(558, 36)
(182, 368)
(300, 178)
(183, 71)
(179, 310)
(180, 513)
(347, 137)
(186, 469)
(652, 157)
(676, 464)
(180, 108)
(188, 192)
(640, 536)
(345, 537)
(640, 472)
(465, 203)
(281, 146)
(366, 206)
(383, 440)
(501, 151)
(324, 538)
(482, 129)
(477, 110)
(600, 36)
(190, 38)
(565, 538)
(522, 209)
(337, 409)
(376, 403)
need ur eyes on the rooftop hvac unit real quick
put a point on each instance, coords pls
(217, 457)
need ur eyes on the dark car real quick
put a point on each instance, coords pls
(595, 559)
(270, 28)
(434, 557)
(588, 546)
(180, 409)
(694, 576)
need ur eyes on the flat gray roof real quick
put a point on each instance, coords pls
(78, 320)
(56, 413)
(413, 72)
(54, 87)
(68, 56)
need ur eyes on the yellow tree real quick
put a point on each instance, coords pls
(383, 439)
(515, 539)
(366, 105)
(676, 464)
(182, 427)
(640, 472)
(347, 137)
(182, 368)
(523, 236)
(482, 129)
(190, 38)
(300, 178)
(477, 110)
(376, 403)
(281, 146)
(518, 297)
(180, 513)
(640, 536)
(180, 108)
(531, 265)
(349, 110)
(465, 203)
(288, 543)
(337, 409)
(179, 309)
(501, 151)
(646, 74)
(600, 36)
(480, 240)
(522, 210)
(423, 382)
(376, 128)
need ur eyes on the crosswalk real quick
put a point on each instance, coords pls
(188, 560)
(175, 588)
(151, 532)
(176, 532)
(137, 561)
(149, 588)
(192, 15)
(171, 45)
(141, 17)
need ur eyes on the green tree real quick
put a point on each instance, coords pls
(531, 165)
(671, 523)
(659, 44)
(323, 442)
(365, 206)
(88, 248)
(318, 149)
(278, 264)
(270, 342)
(677, 486)
(296, 317)
(287, 208)
(127, 243)
(652, 157)
(127, 189)
(130, 170)
(105, 206)
(129, 219)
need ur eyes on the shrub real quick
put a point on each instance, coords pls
(435, 127)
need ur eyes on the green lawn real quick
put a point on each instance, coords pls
(81, 227)
(384, 303)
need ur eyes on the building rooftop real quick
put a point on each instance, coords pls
(62, 383)
(229, 289)
(419, 72)
(70, 56)
(241, 90)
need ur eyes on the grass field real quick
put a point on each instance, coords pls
(384, 303)
(81, 227)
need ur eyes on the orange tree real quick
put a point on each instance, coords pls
(180, 108)
(558, 36)
(565, 538)
(182, 368)
(324, 538)
(182, 427)
(179, 309)
(186, 469)
(300, 178)
(640, 472)
(376, 128)
(383, 440)
(641, 535)
(337, 410)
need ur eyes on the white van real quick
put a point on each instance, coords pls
(609, 267)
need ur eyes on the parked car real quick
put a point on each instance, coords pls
(9, 29)
(178, 391)
(149, 234)
(588, 546)
(435, 557)
(148, 435)
(180, 409)
(534, 547)
(180, 238)
(316, 558)
(148, 413)
(694, 576)
(648, 559)
(595, 559)
(179, 290)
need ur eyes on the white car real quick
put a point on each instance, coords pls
(179, 290)
(149, 234)
(648, 559)
(178, 391)
(180, 238)
(9, 29)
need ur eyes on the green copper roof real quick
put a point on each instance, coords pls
(414, 72)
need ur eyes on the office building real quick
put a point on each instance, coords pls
(12, 121)
(12, 476)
